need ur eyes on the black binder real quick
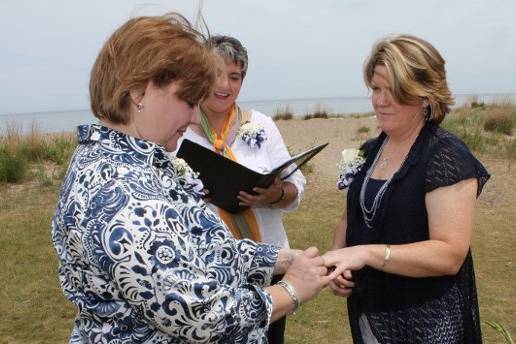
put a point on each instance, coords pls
(225, 178)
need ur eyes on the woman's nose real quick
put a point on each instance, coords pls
(383, 98)
(223, 81)
(195, 118)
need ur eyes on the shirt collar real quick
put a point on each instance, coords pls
(116, 142)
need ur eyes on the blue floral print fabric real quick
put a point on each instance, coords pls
(144, 259)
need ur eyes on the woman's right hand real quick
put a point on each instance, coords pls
(307, 274)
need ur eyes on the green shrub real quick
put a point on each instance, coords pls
(13, 167)
(59, 148)
(37, 147)
(317, 115)
(42, 177)
(501, 123)
(474, 139)
(18, 151)
(319, 112)
(283, 116)
(363, 130)
(475, 103)
(467, 124)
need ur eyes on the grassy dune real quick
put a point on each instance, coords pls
(33, 309)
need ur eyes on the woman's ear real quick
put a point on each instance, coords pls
(136, 96)
(424, 103)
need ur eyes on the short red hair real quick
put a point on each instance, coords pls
(161, 49)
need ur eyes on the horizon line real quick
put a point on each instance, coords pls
(263, 100)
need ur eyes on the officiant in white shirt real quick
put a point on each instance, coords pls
(253, 140)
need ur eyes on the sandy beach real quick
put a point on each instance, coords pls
(341, 133)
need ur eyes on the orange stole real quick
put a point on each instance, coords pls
(242, 225)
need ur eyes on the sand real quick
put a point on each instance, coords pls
(341, 133)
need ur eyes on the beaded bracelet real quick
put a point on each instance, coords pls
(292, 293)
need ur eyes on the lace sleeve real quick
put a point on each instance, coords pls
(451, 163)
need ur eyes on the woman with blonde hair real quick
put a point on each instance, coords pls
(402, 249)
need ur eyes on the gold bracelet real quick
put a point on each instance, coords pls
(387, 256)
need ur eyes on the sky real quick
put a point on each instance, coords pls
(297, 48)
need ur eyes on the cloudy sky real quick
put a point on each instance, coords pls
(297, 48)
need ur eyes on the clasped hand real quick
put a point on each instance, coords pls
(264, 197)
(341, 263)
(310, 273)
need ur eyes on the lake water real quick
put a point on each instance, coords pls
(58, 121)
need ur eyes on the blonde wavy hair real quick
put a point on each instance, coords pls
(416, 70)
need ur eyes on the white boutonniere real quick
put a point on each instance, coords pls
(253, 134)
(349, 165)
(187, 178)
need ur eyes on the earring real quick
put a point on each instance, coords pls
(139, 106)
(426, 113)
(426, 108)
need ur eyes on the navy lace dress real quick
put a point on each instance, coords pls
(402, 309)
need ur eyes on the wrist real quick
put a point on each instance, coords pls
(292, 293)
(366, 254)
(337, 246)
(285, 258)
(386, 256)
(280, 198)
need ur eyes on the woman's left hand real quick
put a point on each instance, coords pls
(265, 196)
(348, 258)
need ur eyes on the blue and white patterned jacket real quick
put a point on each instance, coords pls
(143, 258)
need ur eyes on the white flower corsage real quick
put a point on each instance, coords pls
(349, 165)
(253, 134)
(186, 177)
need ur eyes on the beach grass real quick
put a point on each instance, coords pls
(34, 310)
(319, 111)
(363, 130)
(283, 113)
(28, 156)
(485, 128)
